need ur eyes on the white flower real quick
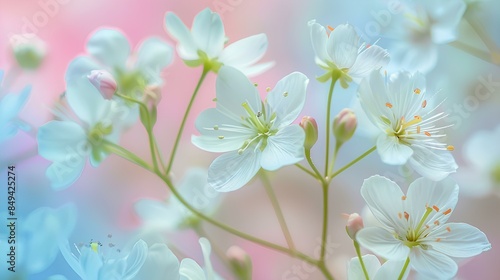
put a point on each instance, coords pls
(29, 50)
(340, 52)
(10, 106)
(414, 226)
(376, 271)
(173, 214)
(398, 107)
(204, 44)
(190, 270)
(68, 143)
(254, 134)
(422, 27)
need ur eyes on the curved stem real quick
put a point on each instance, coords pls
(184, 119)
(126, 154)
(361, 262)
(353, 162)
(311, 163)
(277, 209)
(303, 168)
(334, 157)
(324, 231)
(404, 268)
(328, 116)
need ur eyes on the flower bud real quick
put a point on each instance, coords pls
(240, 262)
(29, 50)
(104, 82)
(152, 95)
(311, 128)
(354, 224)
(344, 125)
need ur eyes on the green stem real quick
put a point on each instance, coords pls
(126, 154)
(305, 170)
(277, 209)
(361, 262)
(480, 31)
(184, 119)
(334, 158)
(353, 162)
(311, 163)
(324, 231)
(328, 116)
(404, 268)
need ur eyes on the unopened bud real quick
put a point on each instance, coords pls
(354, 224)
(344, 125)
(240, 261)
(104, 82)
(152, 95)
(29, 50)
(311, 129)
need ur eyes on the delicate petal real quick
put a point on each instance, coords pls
(391, 270)
(80, 68)
(62, 141)
(382, 243)
(391, 151)
(478, 149)
(435, 165)
(254, 70)
(244, 52)
(318, 38)
(91, 263)
(384, 198)
(109, 46)
(63, 174)
(186, 48)
(372, 92)
(195, 189)
(71, 259)
(190, 270)
(87, 102)
(157, 214)
(355, 271)
(135, 259)
(160, 264)
(284, 148)
(432, 264)
(206, 248)
(343, 45)
(232, 170)
(154, 55)
(12, 104)
(460, 240)
(208, 32)
(421, 57)
(372, 58)
(446, 15)
(287, 98)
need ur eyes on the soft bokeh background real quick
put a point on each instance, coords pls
(105, 196)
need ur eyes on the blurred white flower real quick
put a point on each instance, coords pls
(340, 52)
(254, 134)
(422, 27)
(190, 270)
(204, 44)
(414, 226)
(10, 106)
(398, 107)
(172, 214)
(376, 271)
(29, 50)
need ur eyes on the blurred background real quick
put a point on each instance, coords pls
(105, 196)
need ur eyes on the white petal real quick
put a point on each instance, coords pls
(256, 69)
(343, 46)
(284, 148)
(135, 259)
(80, 67)
(154, 55)
(391, 270)
(382, 243)
(177, 29)
(461, 241)
(424, 193)
(480, 149)
(244, 52)
(232, 171)
(63, 174)
(319, 37)
(206, 248)
(372, 94)
(411, 57)
(446, 15)
(287, 98)
(160, 264)
(158, 214)
(190, 270)
(229, 135)
(208, 32)
(372, 58)
(196, 190)
(109, 46)
(435, 165)
(384, 198)
(58, 140)
(432, 264)
(391, 151)
(73, 261)
(91, 263)
(355, 271)
(233, 89)
(12, 104)
(87, 102)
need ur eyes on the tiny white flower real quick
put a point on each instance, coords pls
(340, 52)
(204, 44)
(414, 225)
(376, 271)
(251, 133)
(10, 106)
(398, 108)
(173, 214)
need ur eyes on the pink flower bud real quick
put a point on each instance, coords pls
(311, 129)
(104, 82)
(354, 224)
(152, 95)
(240, 261)
(344, 125)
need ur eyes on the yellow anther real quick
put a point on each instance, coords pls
(427, 133)
(417, 91)
(448, 229)
(330, 28)
(435, 208)
(447, 211)
(268, 89)
(450, 148)
(403, 197)
(388, 105)
(424, 103)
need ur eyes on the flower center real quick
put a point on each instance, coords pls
(130, 82)
(262, 126)
(95, 137)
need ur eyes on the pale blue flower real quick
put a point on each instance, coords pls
(37, 239)
(204, 44)
(160, 264)
(376, 271)
(172, 214)
(408, 129)
(251, 133)
(10, 106)
(415, 226)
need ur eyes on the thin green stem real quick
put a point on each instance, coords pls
(334, 158)
(404, 268)
(353, 162)
(277, 209)
(303, 168)
(184, 119)
(327, 123)
(361, 262)
(313, 166)
(160, 155)
(324, 231)
(126, 154)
